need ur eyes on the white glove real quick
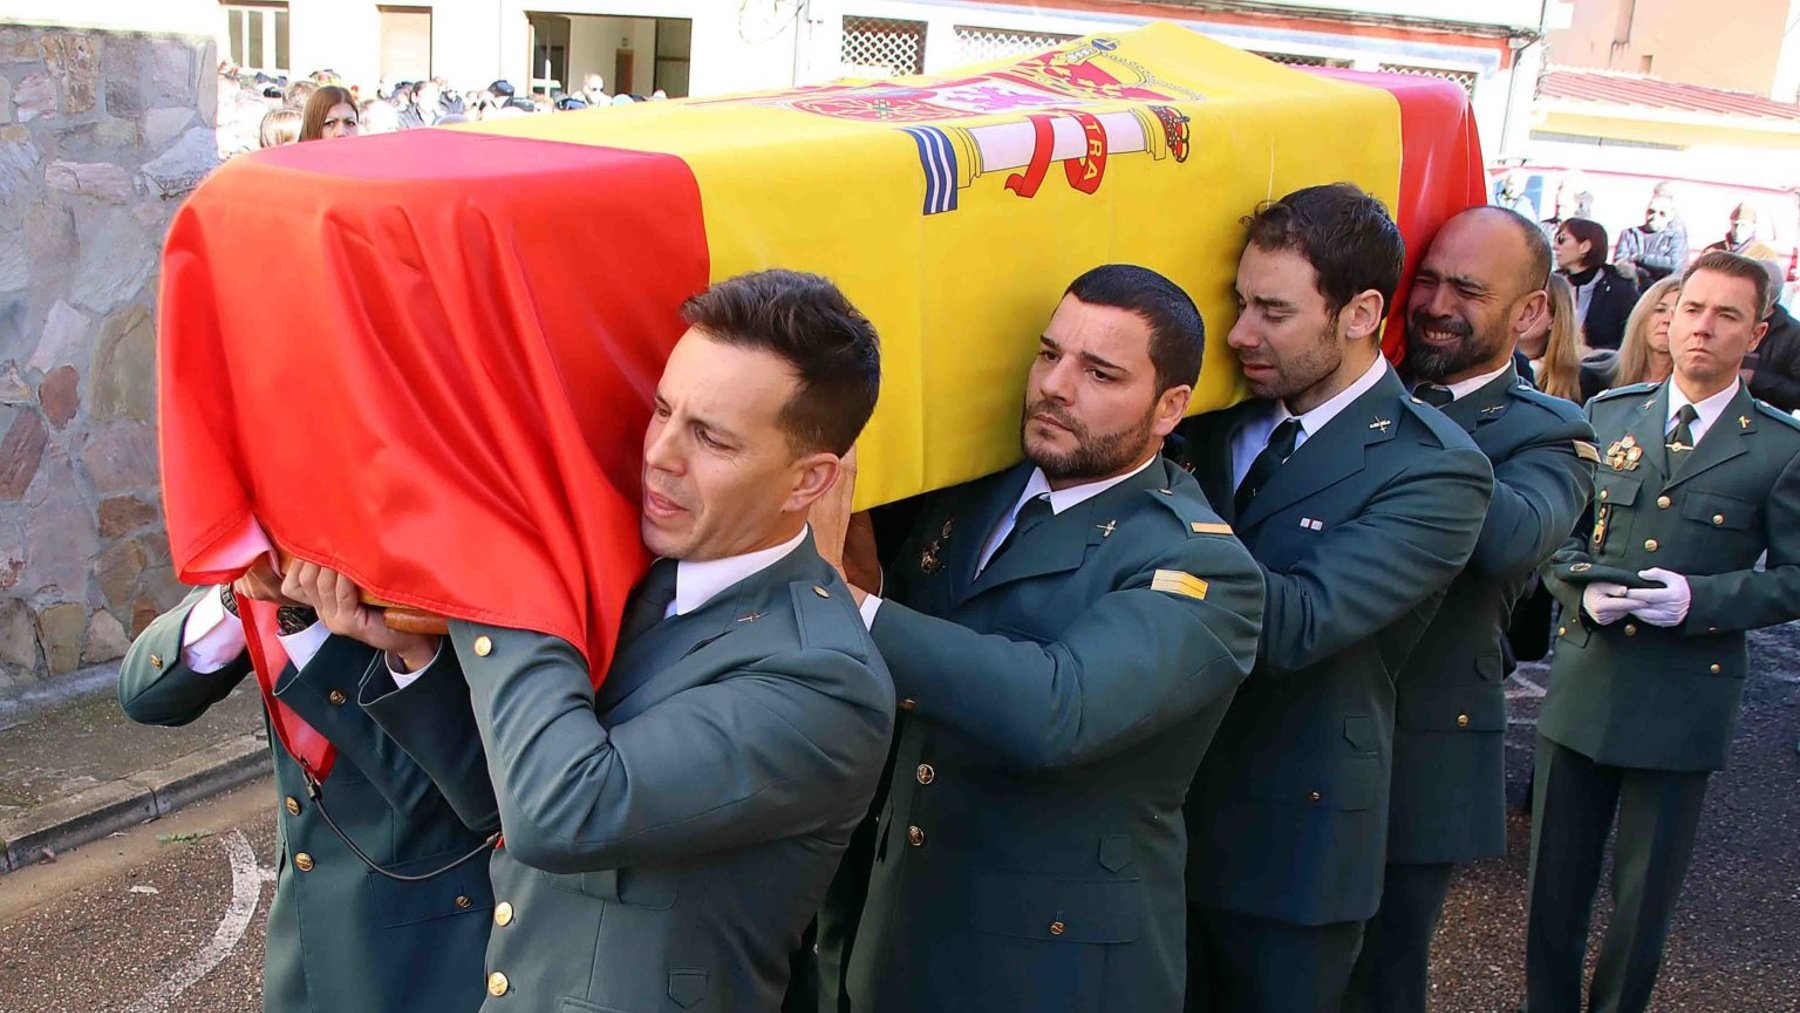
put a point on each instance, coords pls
(1605, 602)
(1661, 606)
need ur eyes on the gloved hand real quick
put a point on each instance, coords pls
(1605, 602)
(1661, 606)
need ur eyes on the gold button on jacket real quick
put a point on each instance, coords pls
(336, 697)
(915, 836)
(483, 646)
(293, 806)
(303, 862)
(503, 914)
(926, 773)
(497, 984)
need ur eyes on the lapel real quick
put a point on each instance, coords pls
(1644, 424)
(1211, 457)
(1334, 453)
(727, 614)
(988, 502)
(1061, 543)
(1485, 404)
(1727, 438)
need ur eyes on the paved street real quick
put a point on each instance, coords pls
(138, 924)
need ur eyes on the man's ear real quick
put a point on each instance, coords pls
(1362, 316)
(1170, 407)
(1531, 313)
(814, 476)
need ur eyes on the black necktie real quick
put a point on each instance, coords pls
(1434, 395)
(1035, 511)
(1279, 449)
(649, 601)
(1681, 438)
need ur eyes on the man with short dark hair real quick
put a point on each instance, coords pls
(1361, 504)
(1065, 636)
(1658, 586)
(1775, 375)
(1479, 287)
(668, 838)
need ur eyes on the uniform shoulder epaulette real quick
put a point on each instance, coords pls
(1628, 390)
(827, 618)
(1447, 432)
(1191, 510)
(1775, 413)
(1559, 407)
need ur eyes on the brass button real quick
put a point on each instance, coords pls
(1462, 721)
(293, 806)
(926, 774)
(1664, 502)
(821, 592)
(503, 914)
(156, 661)
(483, 647)
(1717, 668)
(1313, 796)
(498, 985)
(1058, 928)
(303, 862)
(908, 704)
(915, 836)
(1603, 494)
(1562, 631)
(1718, 518)
(1649, 545)
(1631, 629)
(336, 697)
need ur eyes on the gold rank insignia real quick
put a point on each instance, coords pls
(1587, 451)
(1176, 582)
(1108, 528)
(929, 561)
(1624, 454)
(1743, 422)
(1203, 528)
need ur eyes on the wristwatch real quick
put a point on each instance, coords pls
(289, 619)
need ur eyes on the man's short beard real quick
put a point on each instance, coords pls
(1432, 363)
(1094, 457)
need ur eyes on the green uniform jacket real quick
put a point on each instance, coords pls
(666, 844)
(1449, 788)
(1635, 695)
(1031, 850)
(342, 938)
(1358, 535)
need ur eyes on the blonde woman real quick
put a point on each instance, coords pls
(1556, 349)
(1644, 355)
(279, 127)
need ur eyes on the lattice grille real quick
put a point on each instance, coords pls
(1301, 60)
(883, 47)
(1465, 79)
(979, 45)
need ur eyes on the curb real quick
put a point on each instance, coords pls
(90, 815)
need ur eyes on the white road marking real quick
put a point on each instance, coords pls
(246, 888)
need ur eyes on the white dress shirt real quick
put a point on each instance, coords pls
(213, 638)
(1037, 485)
(1709, 409)
(1463, 388)
(696, 583)
(1253, 435)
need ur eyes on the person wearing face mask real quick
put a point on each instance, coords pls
(1603, 296)
(1659, 585)
(1361, 504)
(1478, 287)
(1659, 247)
(1741, 237)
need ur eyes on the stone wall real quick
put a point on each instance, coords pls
(101, 134)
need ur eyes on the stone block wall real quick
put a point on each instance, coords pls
(101, 135)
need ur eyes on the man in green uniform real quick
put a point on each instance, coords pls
(668, 838)
(1478, 287)
(343, 937)
(1697, 480)
(1065, 636)
(1361, 504)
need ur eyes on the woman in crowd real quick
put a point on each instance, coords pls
(330, 112)
(1644, 357)
(1603, 296)
(279, 126)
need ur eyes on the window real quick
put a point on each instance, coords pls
(405, 43)
(979, 45)
(1465, 79)
(883, 47)
(257, 36)
(1302, 60)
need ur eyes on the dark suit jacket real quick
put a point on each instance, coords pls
(1449, 787)
(1055, 707)
(668, 840)
(1635, 695)
(1777, 376)
(342, 939)
(1358, 536)
(1609, 308)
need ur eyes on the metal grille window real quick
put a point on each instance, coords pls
(883, 47)
(1302, 60)
(979, 45)
(1464, 79)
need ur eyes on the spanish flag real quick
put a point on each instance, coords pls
(426, 358)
